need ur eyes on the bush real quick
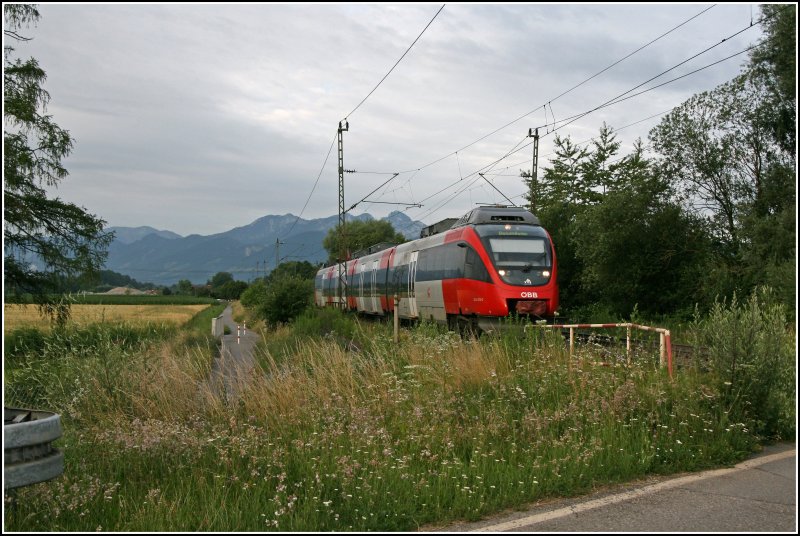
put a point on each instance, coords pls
(751, 352)
(281, 299)
(319, 322)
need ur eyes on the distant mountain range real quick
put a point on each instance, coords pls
(129, 235)
(164, 257)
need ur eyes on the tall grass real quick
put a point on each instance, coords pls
(753, 354)
(373, 436)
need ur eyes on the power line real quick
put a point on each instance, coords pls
(610, 102)
(313, 188)
(571, 119)
(619, 98)
(565, 92)
(629, 55)
(395, 65)
(352, 112)
(578, 144)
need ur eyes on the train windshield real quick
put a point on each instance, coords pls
(520, 253)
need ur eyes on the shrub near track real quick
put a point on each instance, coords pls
(384, 438)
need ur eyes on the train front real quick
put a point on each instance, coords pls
(524, 263)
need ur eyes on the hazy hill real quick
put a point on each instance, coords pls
(164, 257)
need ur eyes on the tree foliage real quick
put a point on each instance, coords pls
(301, 269)
(730, 154)
(185, 287)
(620, 239)
(359, 235)
(281, 299)
(712, 214)
(775, 65)
(219, 279)
(64, 237)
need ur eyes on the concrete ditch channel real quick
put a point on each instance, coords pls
(28, 453)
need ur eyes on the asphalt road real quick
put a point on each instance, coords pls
(757, 495)
(233, 368)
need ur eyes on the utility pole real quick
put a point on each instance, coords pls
(342, 235)
(535, 167)
(277, 252)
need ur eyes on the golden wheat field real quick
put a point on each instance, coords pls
(15, 316)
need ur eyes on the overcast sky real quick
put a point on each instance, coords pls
(201, 118)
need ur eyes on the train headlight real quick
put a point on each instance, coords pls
(502, 272)
(545, 273)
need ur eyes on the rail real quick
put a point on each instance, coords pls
(665, 346)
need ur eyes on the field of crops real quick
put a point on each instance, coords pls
(126, 299)
(17, 316)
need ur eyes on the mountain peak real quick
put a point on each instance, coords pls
(129, 235)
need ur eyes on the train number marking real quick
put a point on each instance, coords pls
(528, 294)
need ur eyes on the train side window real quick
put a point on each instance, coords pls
(453, 261)
(400, 281)
(424, 265)
(474, 267)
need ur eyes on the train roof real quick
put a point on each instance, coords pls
(437, 227)
(373, 249)
(497, 214)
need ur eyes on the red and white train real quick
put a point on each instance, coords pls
(492, 263)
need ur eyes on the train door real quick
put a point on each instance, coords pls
(412, 279)
(361, 300)
(376, 303)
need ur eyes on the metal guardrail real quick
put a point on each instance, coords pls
(28, 455)
(665, 336)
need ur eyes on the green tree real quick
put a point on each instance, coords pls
(185, 287)
(286, 298)
(253, 296)
(639, 247)
(231, 290)
(280, 300)
(359, 235)
(775, 65)
(301, 269)
(563, 194)
(219, 279)
(64, 237)
(715, 149)
(599, 172)
(731, 155)
(561, 182)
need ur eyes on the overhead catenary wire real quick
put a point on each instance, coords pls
(354, 110)
(619, 98)
(615, 100)
(549, 102)
(573, 118)
(330, 149)
(395, 65)
(622, 97)
(578, 144)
